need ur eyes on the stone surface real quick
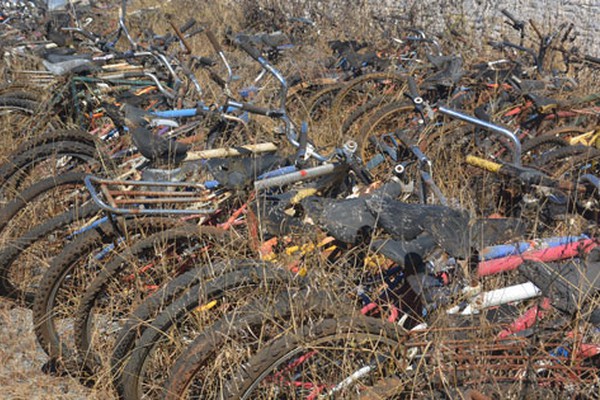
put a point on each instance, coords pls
(483, 17)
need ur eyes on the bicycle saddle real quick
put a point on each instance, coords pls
(449, 68)
(59, 58)
(151, 146)
(60, 64)
(448, 227)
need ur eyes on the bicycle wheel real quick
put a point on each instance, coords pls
(16, 116)
(71, 271)
(24, 260)
(132, 275)
(152, 306)
(347, 357)
(44, 161)
(354, 122)
(41, 202)
(364, 89)
(61, 135)
(213, 357)
(172, 331)
(299, 95)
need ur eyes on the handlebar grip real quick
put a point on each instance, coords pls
(412, 88)
(483, 164)
(508, 15)
(594, 60)
(419, 154)
(185, 27)
(217, 79)
(133, 75)
(194, 32)
(253, 109)
(213, 41)
(205, 61)
(181, 38)
(303, 142)
(245, 45)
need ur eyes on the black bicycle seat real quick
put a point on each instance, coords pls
(157, 148)
(151, 146)
(60, 58)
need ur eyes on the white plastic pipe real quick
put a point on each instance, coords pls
(524, 291)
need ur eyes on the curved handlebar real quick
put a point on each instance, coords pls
(517, 24)
(489, 126)
(213, 41)
(244, 43)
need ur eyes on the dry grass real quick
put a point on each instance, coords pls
(20, 356)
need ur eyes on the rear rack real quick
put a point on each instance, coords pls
(151, 197)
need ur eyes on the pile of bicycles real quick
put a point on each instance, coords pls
(247, 215)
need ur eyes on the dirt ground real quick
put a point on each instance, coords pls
(21, 361)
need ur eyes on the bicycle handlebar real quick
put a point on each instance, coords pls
(187, 26)
(213, 41)
(244, 43)
(489, 126)
(517, 24)
(180, 36)
(254, 109)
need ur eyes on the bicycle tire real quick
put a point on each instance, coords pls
(549, 160)
(238, 282)
(362, 112)
(299, 95)
(17, 103)
(342, 331)
(142, 316)
(178, 236)
(15, 116)
(11, 252)
(35, 192)
(544, 143)
(46, 301)
(538, 141)
(34, 122)
(20, 93)
(15, 171)
(320, 99)
(338, 107)
(566, 131)
(60, 135)
(238, 330)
